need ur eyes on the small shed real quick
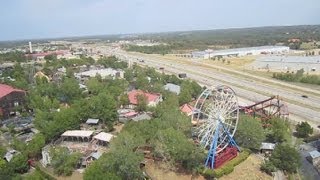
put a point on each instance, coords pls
(92, 121)
(103, 138)
(314, 157)
(267, 147)
(77, 135)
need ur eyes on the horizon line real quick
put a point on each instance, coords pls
(153, 32)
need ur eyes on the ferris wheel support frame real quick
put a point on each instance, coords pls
(210, 161)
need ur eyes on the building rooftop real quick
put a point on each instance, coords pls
(314, 154)
(267, 146)
(187, 108)
(92, 121)
(249, 49)
(96, 155)
(6, 89)
(172, 88)
(102, 72)
(104, 137)
(141, 117)
(129, 114)
(132, 95)
(77, 133)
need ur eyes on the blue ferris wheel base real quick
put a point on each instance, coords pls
(215, 160)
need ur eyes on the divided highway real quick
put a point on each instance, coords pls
(247, 86)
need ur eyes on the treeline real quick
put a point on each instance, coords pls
(299, 76)
(244, 37)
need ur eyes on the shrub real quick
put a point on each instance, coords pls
(228, 167)
(268, 167)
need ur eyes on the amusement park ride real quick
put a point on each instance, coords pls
(216, 115)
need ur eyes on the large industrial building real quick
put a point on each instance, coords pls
(241, 51)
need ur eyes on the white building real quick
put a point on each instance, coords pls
(241, 51)
(102, 72)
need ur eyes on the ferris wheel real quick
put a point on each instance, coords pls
(216, 115)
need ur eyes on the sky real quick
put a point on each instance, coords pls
(33, 19)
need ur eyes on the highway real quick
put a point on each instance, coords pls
(249, 87)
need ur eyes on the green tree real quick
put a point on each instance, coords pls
(63, 161)
(35, 145)
(124, 100)
(174, 144)
(19, 163)
(123, 163)
(129, 75)
(285, 158)
(50, 57)
(304, 129)
(268, 167)
(142, 103)
(184, 96)
(142, 82)
(3, 151)
(250, 133)
(70, 90)
(103, 106)
(6, 171)
(279, 131)
(94, 172)
(52, 124)
(95, 86)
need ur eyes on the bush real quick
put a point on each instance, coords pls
(303, 129)
(268, 167)
(228, 167)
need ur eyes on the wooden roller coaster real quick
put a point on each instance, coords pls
(267, 109)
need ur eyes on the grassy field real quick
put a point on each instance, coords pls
(248, 170)
(232, 62)
(161, 171)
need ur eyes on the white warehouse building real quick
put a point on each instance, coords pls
(241, 51)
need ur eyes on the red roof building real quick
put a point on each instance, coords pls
(10, 98)
(187, 109)
(152, 98)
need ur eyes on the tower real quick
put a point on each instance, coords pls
(30, 47)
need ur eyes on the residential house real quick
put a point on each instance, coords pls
(10, 99)
(152, 99)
